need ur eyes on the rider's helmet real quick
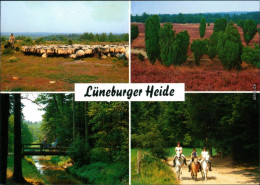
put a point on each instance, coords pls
(179, 143)
(204, 149)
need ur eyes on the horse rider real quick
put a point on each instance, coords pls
(205, 156)
(178, 149)
(192, 156)
(11, 40)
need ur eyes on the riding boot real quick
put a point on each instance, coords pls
(185, 161)
(189, 167)
(174, 163)
(210, 167)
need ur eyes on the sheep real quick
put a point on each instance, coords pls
(80, 53)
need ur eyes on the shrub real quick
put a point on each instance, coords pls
(39, 40)
(69, 42)
(208, 24)
(134, 32)
(3, 39)
(230, 47)
(140, 56)
(180, 47)
(249, 30)
(8, 51)
(152, 28)
(166, 41)
(250, 55)
(198, 47)
(202, 27)
(220, 25)
(213, 42)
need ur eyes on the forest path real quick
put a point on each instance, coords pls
(222, 173)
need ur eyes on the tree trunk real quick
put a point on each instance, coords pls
(73, 117)
(4, 115)
(86, 121)
(17, 175)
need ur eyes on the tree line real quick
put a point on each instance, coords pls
(169, 48)
(195, 18)
(229, 123)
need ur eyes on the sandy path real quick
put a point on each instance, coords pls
(220, 175)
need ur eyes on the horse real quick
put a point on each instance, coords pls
(205, 169)
(195, 166)
(179, 165)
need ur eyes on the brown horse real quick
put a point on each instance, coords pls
(195, 166)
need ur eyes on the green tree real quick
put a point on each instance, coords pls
(202, 27)
(3, 39)
(198, 47)
(213, 42)
(180, 47)
(220, 25)
(230, 47)
(39, 40)
(251, 56)
(249, 30)
(240, 23)
(152, 28)
(111, 37)
(69, 42)
(134, 32)
(166, 41)
(103, 37)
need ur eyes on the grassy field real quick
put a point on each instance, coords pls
(33, 73)
(30, 173)
(153, 171)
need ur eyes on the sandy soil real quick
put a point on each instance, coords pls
(223, 172)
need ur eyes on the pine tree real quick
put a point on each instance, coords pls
(249, 30)
(180, 47)
(202, 27)
(220, 25)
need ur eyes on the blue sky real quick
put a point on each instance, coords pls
(175, 7)
(65, 16)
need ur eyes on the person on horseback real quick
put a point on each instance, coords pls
(205, 156)
(192, 156)
(178, 149)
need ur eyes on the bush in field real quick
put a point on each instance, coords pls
(180, 47)
(198, 47)
(249, 30)
(39, 40)
(251, 56)
(140, 56)
(27, 41)
(3, 39)
(134, 32)
(152, 28)
(220, 25)
(166, 41)
(8, 51)
(69, 42)
(213, 42)
(208, 24)
(230, 47)
(202, 27)
(12, 59)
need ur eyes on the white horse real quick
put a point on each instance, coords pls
(179, 165)
(205, 168)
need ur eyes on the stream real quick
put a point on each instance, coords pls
(53, 173)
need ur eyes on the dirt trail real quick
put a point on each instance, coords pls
(221, 174)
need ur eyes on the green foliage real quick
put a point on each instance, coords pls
(249, 30)
(202, 27)
(230, 47)
(220, 25)
(134, 32)
(152, 28)
(69, 42)
(27, 41)
(180, 47)
(166, 41)
(208, 24)
(102, 173)
(250, 55)
(199, 47)
(39, 40)
(8, 51)
(240, 23)
(3, 39)
(213, 42)
(153, 170)
(140, 57)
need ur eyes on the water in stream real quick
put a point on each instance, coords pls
(53, 173)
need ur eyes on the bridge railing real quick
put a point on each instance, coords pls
(42, 148)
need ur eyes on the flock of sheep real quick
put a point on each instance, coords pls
(78, 51)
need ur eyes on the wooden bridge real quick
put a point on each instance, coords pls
(40, 149)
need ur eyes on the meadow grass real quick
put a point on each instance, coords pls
(30, 172)
(153, 170)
